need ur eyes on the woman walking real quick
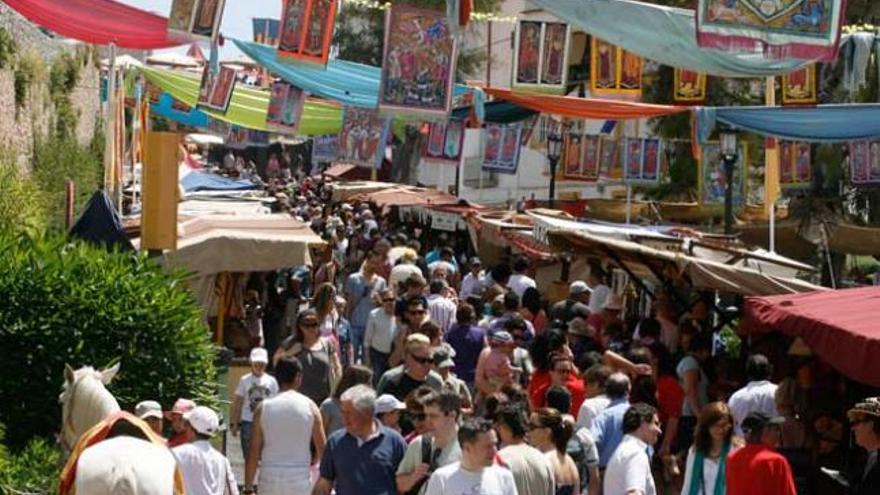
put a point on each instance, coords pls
(706, 469)
(319, 356)
(550, 432)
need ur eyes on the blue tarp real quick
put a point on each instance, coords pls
(202, 181)
(821, 124)
(100, 224)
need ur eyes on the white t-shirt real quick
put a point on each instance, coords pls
(252, 391)
(205, 471)
(453, 480)
(754, 397)
(598, 297)
(519, 283)
(590, 409)
(629, 469)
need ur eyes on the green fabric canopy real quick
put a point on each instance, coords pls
(248, 106)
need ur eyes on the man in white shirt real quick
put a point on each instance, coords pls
(441, 308)
(597, 400)
(471, 284)
(476, 473)
(252, 389)
(759, 395)
(380, 334)
(629, 469)
(205, 471)
(519, 281)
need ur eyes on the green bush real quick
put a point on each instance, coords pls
(59, 159)
(34, 470)
(72, 303)
(23, 206)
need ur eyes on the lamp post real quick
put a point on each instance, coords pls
(728, 157)
(554, 151)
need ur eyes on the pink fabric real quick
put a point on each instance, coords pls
(100, 22)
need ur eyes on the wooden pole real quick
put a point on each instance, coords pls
(69, 190)
(771, 168)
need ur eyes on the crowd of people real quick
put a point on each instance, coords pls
(390, 367)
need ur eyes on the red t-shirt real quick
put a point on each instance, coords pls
(758, 470)
(669, 397)
(176, 440)
(541, 381)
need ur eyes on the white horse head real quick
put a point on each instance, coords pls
(85, 401)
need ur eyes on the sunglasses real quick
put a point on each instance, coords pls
(421, 360)
(390, 299)
(309, 324)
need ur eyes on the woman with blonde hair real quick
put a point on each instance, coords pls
(705, 472)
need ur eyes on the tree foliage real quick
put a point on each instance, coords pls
(72, 303)
(33, 470)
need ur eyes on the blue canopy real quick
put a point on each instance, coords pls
(165, 108)
(824, 123)
(663, 34)
(202, 181)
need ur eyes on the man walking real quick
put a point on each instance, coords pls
(362, 458)
(531, 469)
(759, 395)
(757, 469)
(435, 448)
(360, 290)
(414, 372)
(607, 429)
(280, 426)
(205, 471)
(380, 334)
(629, 469)
(477, 472)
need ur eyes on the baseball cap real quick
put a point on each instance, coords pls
(387, 403)
(204, 420)
(259, 355)
(181, 406)
(148, 409)
(757, 421)
(578, 287)
(442, 358)
(476, 261)
(501, 337)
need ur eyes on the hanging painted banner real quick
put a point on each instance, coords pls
(794, 164)
(325, 148)
(614, 72)
(242, 137)
(582, 156)
(609, 159)
(864, 161)
(541, 61)
(799, 87)
(445, 141)
(363, 136)
(266, 31)
(215, 91)
(689, 86)
(196, 18)
(714, 179)
(418, 63)
(307, 30)
(805, 29)
(652, 154)
(501, 146)
(286, 103)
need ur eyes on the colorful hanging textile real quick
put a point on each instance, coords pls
(266, 31)
(585, 108)
(363, 137)
(799, 87)
(864, 162)
(325, 148)
(581, 157)
(418, 63)
(215, 90)
(241, 138)
(501, 147)
(247, 107)
(99, 22)
(307, 30)
(286, 104)
(445, 141)
(196, 18)
(713, 183)
(662, 34)
(642, 158)
(819, 124)
(166, 108)
(541, 56)
(609, 159)
(794, 165)
(614, 72)
(688, 86)
(806, 29)
(348, 83)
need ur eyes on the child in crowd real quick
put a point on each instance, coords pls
(499, 370)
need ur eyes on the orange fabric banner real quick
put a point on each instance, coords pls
(585, 108)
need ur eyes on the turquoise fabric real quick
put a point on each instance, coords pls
(663, 34)
(821, 124)
(696, 486)
(348, 83)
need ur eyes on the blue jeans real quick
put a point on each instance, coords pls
(357, 342)
(379, 360)
(245, 436)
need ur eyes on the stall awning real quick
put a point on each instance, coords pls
(840, 326)
(585, 108)
(401, 195)
(654, 263)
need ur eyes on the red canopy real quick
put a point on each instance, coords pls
(841, 326)
(585, 108)
(100, 22)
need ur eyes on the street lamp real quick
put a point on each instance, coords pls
(729, 157)
(554, 151)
